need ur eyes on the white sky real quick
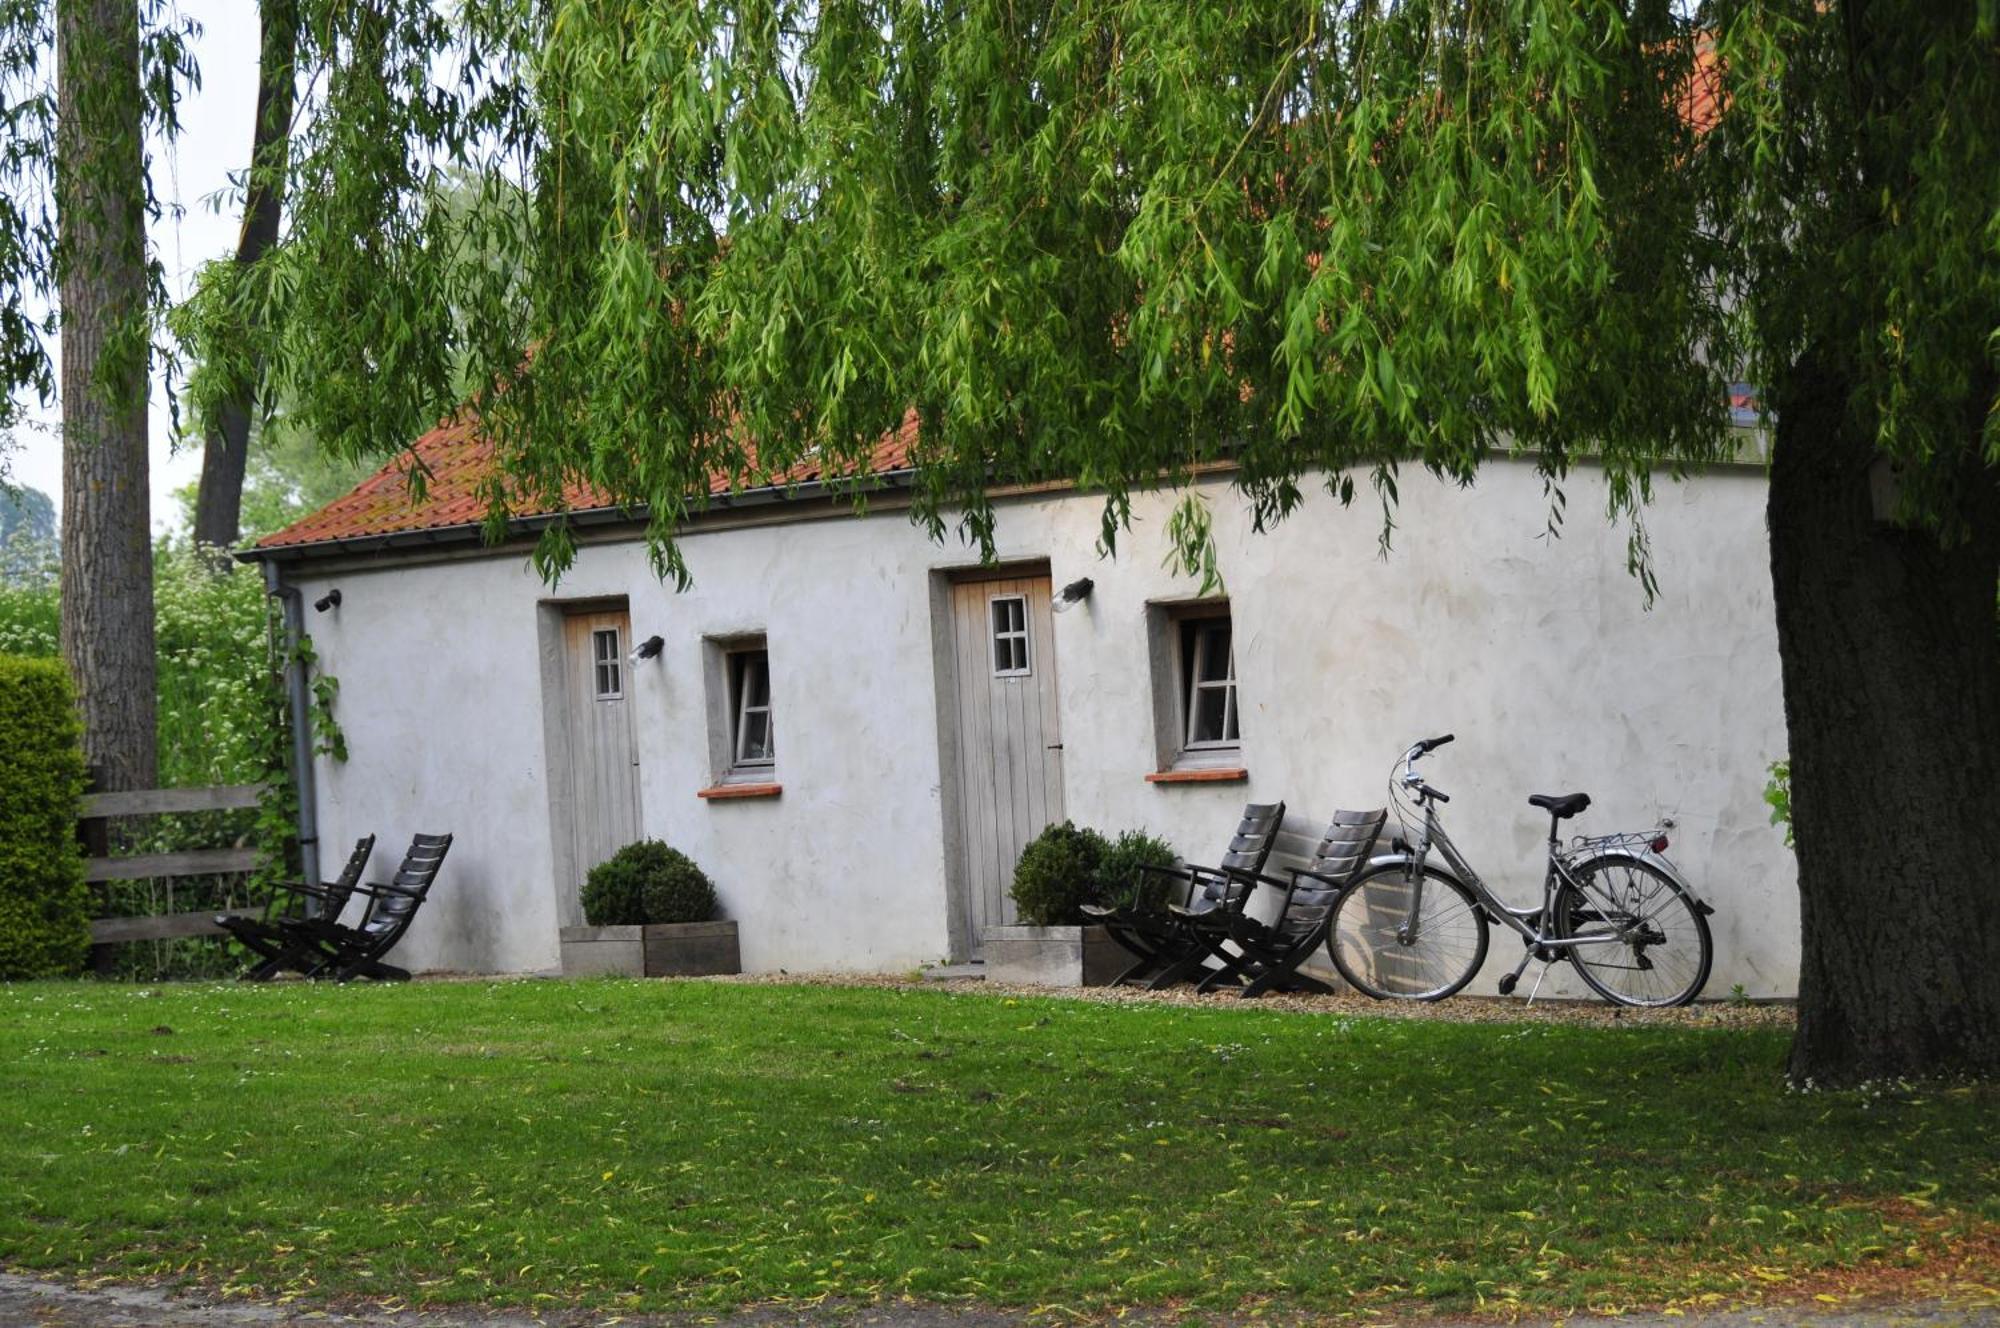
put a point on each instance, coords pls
(216, 125)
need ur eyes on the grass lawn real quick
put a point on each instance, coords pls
(662, 1145)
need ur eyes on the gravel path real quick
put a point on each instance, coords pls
(27, 1302)
(1459, 1009)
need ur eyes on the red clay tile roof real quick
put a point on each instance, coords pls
(460, 461)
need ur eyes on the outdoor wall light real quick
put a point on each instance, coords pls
(648, 648)
(330, 600)
(1073, 594)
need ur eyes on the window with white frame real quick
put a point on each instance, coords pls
(754, 741)
(742, 726)
(1192, 645)
(1208, 671)
(607, 665)
(1009, 617)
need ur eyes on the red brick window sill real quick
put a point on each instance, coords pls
(1217, 775)
(730, 792)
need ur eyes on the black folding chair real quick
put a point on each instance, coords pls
(356, 952)
(1269, 953)
(266, 936)
(1167, 946)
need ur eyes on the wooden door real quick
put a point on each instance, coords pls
(1009, 743)
(603, 757)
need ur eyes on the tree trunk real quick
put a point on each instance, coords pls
(1892, 697)
(107, 555)
(218, 511)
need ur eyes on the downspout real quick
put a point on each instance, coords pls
(293, 606)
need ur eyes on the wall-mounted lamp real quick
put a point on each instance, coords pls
(1073, 594)
(648, 648)
(330, 600)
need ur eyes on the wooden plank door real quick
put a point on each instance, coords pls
(1009, 743)
(603, 756)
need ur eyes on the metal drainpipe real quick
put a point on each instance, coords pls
(302, 757)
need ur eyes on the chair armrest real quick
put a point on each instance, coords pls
(377, 889)
(302, 888)
(1335, 881)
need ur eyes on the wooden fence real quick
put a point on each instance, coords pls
(101, 867)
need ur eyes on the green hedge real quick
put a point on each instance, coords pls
(647, 882)
(44, 906)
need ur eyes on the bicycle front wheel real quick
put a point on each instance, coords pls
(1389, 950)
(1642, 940)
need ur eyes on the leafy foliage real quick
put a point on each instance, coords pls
(1778, 793)
(1120, 874)
(222, 720)
(44, 907)
(1067, 866)
(1057, 873)
(647, 882)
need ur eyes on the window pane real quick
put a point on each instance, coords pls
(1214, 654)
(756, 745)
(1211, 715)
(757, 679)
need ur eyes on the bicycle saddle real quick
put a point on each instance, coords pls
(1560, 805)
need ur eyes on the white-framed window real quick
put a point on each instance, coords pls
(1208, 671)
(1008, 618)
(607, 665)
(754, 740)
(742, 722)
(1192, 648)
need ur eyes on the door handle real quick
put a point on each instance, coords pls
(1055, 746)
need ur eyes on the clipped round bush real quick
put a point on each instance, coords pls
(1057, 873)
(1119, 878)
(647, 882)
(676, 890)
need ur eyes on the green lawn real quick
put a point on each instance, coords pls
(660, 1145)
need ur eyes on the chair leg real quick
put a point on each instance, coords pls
(261, 971)
(1137, 969)
(1280, 977)
(1230, 972)
(1180, 970)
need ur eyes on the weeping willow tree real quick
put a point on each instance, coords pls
(1114, 241)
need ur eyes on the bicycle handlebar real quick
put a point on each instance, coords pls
(1427, 745)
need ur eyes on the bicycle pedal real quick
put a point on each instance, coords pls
(1508, 983)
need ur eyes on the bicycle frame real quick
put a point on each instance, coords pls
(1535, 924)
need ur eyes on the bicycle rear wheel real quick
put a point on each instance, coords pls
(1654, 950)
(1379, 952)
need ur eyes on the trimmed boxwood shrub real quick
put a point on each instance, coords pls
(1119, 878)
(1057, 874)
(44, 905)
(1068, 866)
(647, 882)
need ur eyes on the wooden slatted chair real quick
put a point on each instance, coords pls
(1269, 953)
(1165, 941)
(345, 953)
(266, 937)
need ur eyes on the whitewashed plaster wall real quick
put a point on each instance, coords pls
(1540, 653)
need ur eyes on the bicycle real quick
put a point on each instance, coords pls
(1612, 905)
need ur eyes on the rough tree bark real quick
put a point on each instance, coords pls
(1892, 697)
(218, 512)
(107, 556)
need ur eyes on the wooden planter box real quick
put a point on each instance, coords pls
(659, 950)
(1054, 956)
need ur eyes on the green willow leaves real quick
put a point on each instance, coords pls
(1107, 241)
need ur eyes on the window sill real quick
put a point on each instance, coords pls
(1210, 775)
(730, 792)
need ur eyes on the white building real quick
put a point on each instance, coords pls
(854, 729)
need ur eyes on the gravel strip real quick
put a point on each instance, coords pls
(1457, 1010)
